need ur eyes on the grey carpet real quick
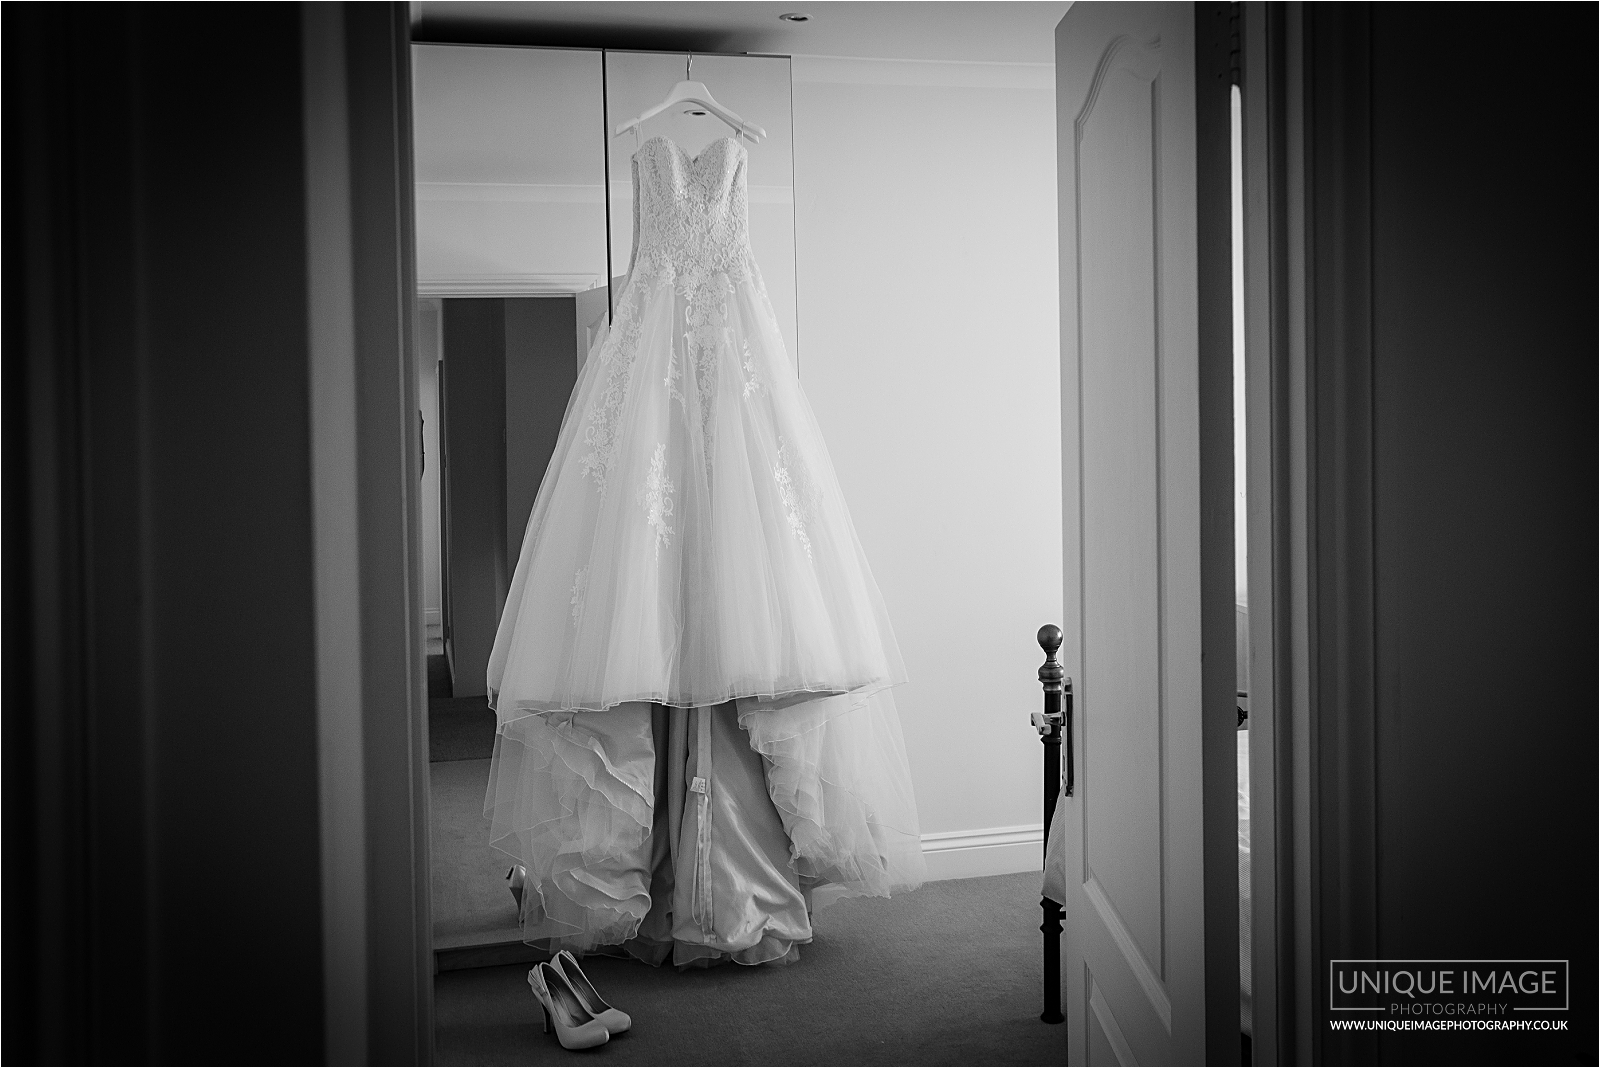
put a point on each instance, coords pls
(949, 974)
(471, 905)
(460, 728)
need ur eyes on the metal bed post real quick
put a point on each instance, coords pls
(1052, 723)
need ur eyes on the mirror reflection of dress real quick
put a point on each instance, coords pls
(692, 671)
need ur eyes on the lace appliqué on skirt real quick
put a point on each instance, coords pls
(797, 491)
(604, 413)
(752, 379)
(580, 585)
(656, 496)
(706, 318)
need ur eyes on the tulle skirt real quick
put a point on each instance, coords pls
(693, 670)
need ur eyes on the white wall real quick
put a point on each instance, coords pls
(925, 219)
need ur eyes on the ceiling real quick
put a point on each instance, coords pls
(995, 32)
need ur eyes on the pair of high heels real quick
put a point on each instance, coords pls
(572, 1005)
(569, 1001)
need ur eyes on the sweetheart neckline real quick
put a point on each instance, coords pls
(694, 158)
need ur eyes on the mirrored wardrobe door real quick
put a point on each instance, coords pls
(509, 164)
(757, 89)
(511, 264)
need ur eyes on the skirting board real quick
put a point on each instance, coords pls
(988, 851)
(491, 955)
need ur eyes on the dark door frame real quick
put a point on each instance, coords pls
(372, 654)
(215, 734)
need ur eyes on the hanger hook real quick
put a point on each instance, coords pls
(688, 68)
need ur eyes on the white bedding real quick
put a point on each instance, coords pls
(1055, 853)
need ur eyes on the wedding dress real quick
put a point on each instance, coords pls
(693, 667)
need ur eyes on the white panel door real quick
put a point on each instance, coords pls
(1135, 942)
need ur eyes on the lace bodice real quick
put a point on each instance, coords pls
(690, 213)
(691, 225)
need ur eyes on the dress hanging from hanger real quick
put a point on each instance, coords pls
(692, 671)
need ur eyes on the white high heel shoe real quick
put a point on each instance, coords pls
(616, 1020)
(575, 1025)
(517, 883)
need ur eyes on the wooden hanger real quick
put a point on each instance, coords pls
(692, 92)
